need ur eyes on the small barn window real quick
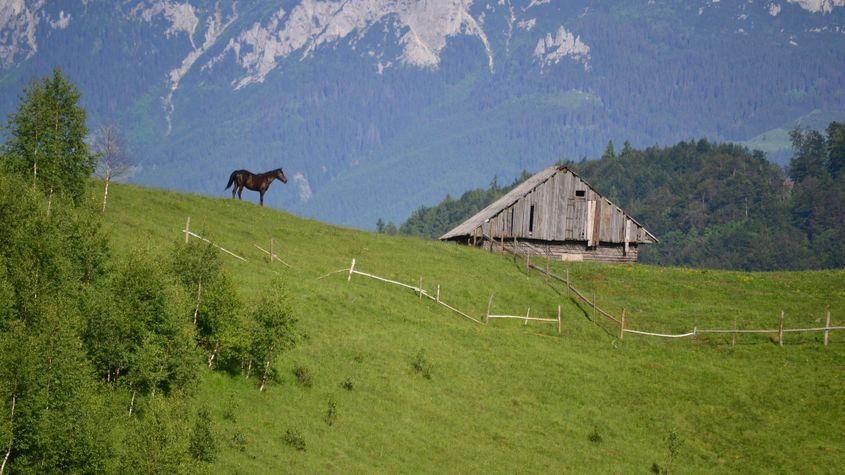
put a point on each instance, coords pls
(531, 220)
(580, 193)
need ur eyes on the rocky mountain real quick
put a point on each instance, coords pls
(374, 107)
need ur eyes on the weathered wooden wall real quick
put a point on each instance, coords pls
(561, 215)
(567, 250)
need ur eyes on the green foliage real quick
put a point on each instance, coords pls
(331, 413)
(158, 442)
(49, 262)
(217, 311)
(421, 365)
(71, 318)
(348, 384)
(711, 205)
(203, 445)
(303, 375)
(435, 221)
(294, 439)
(818, 199)
(274, 330)
(47, 145)
(150, 309)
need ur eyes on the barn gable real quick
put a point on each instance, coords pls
(556, 206)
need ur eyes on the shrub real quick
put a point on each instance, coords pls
(303, 375)
(331, 413)
(421, 364)
(203, 446)
(347, 384)
(239, 441)
(294, 439)
(594, 436)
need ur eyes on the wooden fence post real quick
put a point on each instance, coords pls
(527, 314)
(527, 263)
(622, 326)
(548, 262)
(514, 247)
(827, 328)
(567, 282)
(489, 304)
(187, 229)
(420, 287)
(733, 337)
(594, 307)
(780, 329)
(351, 269)
(438, 294)
(558, 319)
(272, 251)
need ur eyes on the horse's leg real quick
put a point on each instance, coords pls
(261, 197)
(234, 190)
(240, 190)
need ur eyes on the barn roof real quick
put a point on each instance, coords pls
(466, 228)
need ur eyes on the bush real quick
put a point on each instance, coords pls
(203, 447)
(347, 384)
(421, 364)
(594, 436)
(303, 375)
(331, 413)
(294, 439)
(239, 441)
(274, 331)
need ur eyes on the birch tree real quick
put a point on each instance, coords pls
(113, 155)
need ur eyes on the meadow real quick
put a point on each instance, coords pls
(417, 388)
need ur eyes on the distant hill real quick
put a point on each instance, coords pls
(375, 107)
(712, 205)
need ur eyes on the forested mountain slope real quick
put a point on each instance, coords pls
(711, 204)
(376, 106)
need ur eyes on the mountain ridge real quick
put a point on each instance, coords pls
(365, 94)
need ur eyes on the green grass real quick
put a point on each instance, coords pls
(506, 397)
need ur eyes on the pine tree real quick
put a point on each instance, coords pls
(609, 151)
(836, 148)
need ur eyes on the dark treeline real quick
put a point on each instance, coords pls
(435, 221)
(100, 352)
(711, 205)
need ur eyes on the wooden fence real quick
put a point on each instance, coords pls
(418, 290)
(188, 235)
(526, 318)
(623, 329)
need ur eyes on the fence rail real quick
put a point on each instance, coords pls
(621, 320)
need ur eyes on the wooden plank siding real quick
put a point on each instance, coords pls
(566, 224)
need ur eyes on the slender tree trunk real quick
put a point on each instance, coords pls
(213, 354)
(11, 438)
(50, 202)
(264, 376)
(199, 294)
(35, 162)
(106, 189)
(132, 403)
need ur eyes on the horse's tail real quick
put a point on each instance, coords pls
(231, 180)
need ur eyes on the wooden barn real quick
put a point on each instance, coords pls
(555, 214)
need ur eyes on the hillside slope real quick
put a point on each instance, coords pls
(506, 397)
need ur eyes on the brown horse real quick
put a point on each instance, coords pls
(255, 182)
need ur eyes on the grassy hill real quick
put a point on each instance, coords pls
(506, 397)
